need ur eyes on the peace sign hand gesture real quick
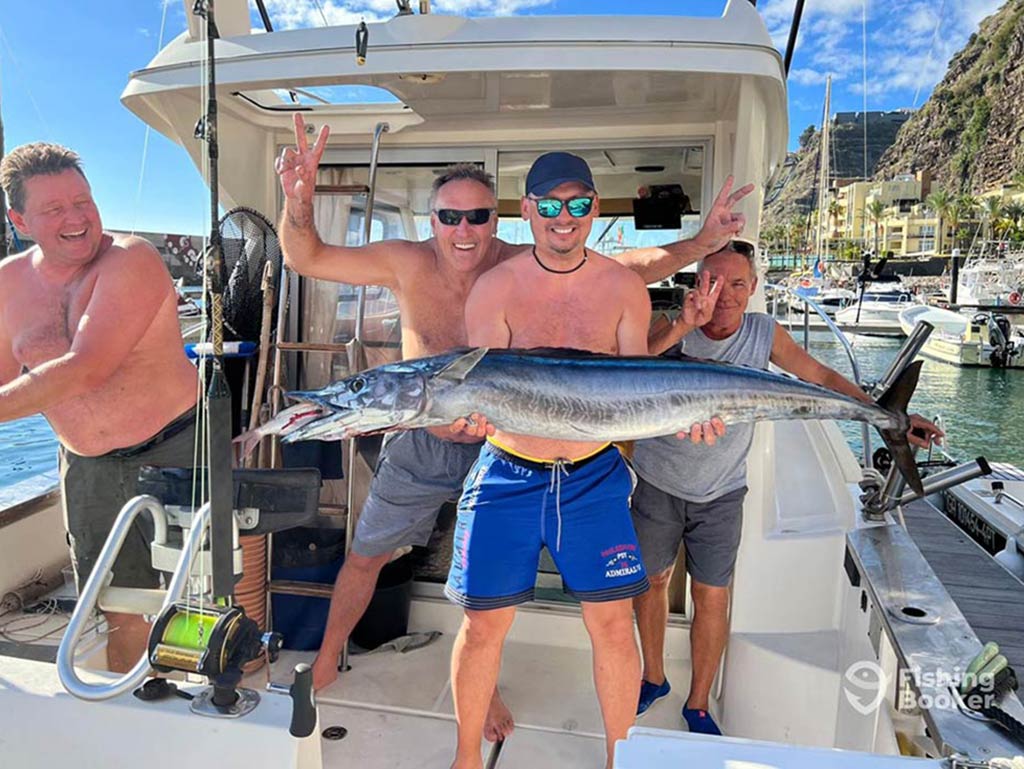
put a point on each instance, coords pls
(699, 303)
(721, 224)
(297, 166)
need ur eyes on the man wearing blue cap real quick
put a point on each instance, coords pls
(525, 492)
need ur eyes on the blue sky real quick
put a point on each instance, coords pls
(62, 72)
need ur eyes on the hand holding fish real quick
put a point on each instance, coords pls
(297, 166)
(470, 429)
(704, 432)
(924, 433)
(721, 224)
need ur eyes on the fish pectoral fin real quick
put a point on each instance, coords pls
(459, 368)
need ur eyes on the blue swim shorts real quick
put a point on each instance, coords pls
(512, 506)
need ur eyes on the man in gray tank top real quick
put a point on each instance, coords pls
(694, 494)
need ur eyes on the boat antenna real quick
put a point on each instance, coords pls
(794, 28)
(217, 414)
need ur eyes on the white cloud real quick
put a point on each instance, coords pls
(909, 47)
(292, 14)
(805, 76)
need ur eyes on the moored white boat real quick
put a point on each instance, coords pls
(977, 340)
(876, 312)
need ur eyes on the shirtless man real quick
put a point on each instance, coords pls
(89, 336)
(420, 470)
(527, 492)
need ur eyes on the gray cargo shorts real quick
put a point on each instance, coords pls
(710, 531)
(416, 474)
(94, 489)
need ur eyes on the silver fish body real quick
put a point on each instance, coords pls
(573, 396)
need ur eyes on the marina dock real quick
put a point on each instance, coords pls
(795, 324)
(989, 597)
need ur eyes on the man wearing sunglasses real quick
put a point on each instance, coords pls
(431, 280)
(526, 492)
(695, 498)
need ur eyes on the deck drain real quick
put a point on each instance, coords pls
(334, 733)
(915, 615)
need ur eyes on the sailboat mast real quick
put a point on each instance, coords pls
(824, 167)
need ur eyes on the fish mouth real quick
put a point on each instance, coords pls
(335, 425)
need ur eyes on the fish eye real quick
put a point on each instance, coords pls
(357, 384)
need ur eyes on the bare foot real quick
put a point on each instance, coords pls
(499, 723)
(325, 670)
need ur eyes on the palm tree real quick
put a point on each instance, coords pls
(940, 202)
(876, 212)
(1013, 212)
(991, 209)
(963, 208)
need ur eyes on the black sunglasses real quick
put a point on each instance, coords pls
(741, 247)
(452, 216)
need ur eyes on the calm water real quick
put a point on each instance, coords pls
(28, 459)
(983, 410)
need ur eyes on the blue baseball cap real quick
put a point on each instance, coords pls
(555, 168)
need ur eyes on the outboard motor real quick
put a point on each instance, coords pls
(999, 337)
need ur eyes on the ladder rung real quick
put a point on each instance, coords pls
(333, 510)
(291, 587)
(343, 189)
(312, 346)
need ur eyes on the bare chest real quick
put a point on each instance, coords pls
(586, 320)
(433, 319)
(43, 319)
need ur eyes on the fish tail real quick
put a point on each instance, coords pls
(895, 400)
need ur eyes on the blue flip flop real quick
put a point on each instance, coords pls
(650, 693)
(700, 721)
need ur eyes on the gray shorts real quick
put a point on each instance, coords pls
(710, 531)
(416, 474)
(94, 489)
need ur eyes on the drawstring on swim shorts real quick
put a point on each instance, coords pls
(558, 470)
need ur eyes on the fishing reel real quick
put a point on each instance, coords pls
(211, 641)
(215, 642)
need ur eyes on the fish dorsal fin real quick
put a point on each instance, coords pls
(459, 368)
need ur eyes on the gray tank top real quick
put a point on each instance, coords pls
(702, 473)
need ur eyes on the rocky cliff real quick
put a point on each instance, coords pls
(969, 132)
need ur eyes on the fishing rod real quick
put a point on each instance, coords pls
(794, 28)
(217, 414)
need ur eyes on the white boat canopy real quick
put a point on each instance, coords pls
(486, 82)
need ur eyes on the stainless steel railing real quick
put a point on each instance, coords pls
(843, 341)
(89, 598)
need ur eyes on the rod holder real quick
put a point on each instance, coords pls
(945, 479)
(904, 357)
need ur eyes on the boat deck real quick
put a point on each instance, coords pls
(389, 701)
(990, 598)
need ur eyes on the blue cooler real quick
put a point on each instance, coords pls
(304, 555)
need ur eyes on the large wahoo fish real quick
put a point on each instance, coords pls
(582, 396)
